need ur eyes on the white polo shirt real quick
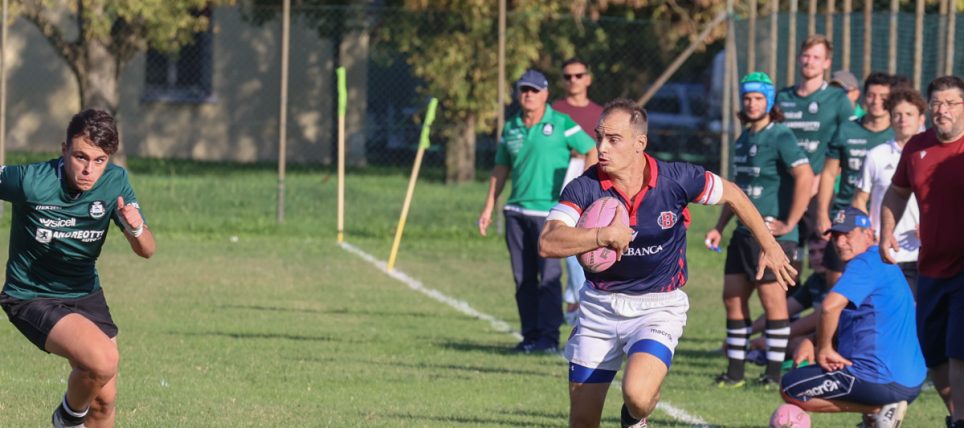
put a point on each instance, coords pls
(879, 167)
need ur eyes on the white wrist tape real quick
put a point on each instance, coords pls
(138, 232)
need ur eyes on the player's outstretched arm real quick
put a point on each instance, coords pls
(772, 256)
(496, 183)
(559, 239)
(136, 232)
(891, 210)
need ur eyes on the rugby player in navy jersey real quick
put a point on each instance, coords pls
(62, 210)
(636, 308)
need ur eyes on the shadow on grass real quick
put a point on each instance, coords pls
(295, 337)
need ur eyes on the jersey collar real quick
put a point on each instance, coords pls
(649, 182)
(546, 118)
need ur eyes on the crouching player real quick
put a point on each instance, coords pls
(62, 209)
(636, 308)
(876, 366)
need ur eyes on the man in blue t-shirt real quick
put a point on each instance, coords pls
(875, 367)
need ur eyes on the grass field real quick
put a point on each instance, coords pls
(238, 321)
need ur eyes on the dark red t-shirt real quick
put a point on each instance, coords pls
(586, 116)
(934, 171)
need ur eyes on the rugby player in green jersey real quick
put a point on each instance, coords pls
(775, 173)
(845, 157)
(62, 211)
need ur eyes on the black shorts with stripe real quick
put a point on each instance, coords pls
(743, 256)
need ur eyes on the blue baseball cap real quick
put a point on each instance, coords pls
(533, 79)
(849, 219)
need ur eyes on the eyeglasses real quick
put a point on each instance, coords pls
(936, 105)
(576, 75)
(528, 89)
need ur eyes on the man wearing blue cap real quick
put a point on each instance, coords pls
(871, 311)
(535, 148)
(775, 173)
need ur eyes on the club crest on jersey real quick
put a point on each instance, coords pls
(813, 108)
(97, 209)
(547, 129)
(666, 220)
(753, 150)
(44, 236)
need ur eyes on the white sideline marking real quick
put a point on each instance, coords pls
(497, 324)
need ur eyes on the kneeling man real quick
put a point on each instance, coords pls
(876, 366)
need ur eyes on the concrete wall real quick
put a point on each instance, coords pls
(240, 124)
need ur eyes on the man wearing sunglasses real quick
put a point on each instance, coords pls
(534, 147)
(576, 79)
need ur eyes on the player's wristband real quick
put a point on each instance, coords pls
(138, 232)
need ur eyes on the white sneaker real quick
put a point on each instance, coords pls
(891, 415)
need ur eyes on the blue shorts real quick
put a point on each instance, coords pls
(813, 381)
(940, 318)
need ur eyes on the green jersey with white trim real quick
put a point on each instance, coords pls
(538, 158)
(55, 235)
(814, 118)
(761, 167)
(850, 146)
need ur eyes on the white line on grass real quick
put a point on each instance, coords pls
(497, 324)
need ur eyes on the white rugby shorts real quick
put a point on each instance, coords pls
(609, 324)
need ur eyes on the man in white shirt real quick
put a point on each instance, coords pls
(907, 108)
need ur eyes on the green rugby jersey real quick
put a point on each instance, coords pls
(850, 145)
(55, 239)
(761, 167)
(814, 119)
(539, 157)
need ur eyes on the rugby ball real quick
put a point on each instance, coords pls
(789, 416)
(600, 214)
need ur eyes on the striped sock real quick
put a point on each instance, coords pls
(777, 335)
(737, 343)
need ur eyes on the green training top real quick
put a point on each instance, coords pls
(539, 157)
(55, 238)
(761, 167)
(815, 118)
(850, 145)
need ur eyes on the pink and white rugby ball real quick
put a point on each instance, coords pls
(600, 214)
(789, 416)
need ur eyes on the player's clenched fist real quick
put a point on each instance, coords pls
(130, 216)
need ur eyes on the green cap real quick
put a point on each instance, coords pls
(756, 76)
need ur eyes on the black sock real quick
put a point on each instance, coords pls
(957, 424)
(71, 416)
(737, 343)
(626, 419)
(777, 335)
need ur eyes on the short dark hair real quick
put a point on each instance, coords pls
(878, 78)
(944, 83)
(575, 60)
(638, 119)
(908, 95)
(97, 127)
(776, 115)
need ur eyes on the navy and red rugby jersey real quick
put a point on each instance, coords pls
(655, 261)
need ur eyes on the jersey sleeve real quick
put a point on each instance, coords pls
(845, 109)
(574, 199)
(790, 153)
(699, 185)
(11, 183)
(576, 138)
(127, 192)
(835, 149)
(857, 281)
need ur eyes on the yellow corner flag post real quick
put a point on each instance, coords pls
(423, 143)
(342, 101)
